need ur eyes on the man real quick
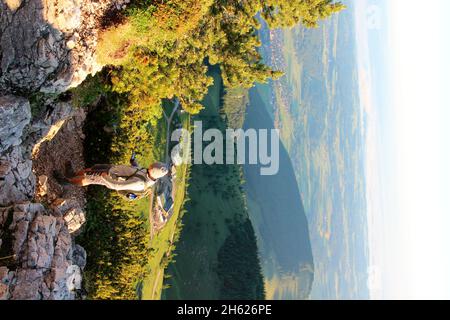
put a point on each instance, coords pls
(130, 181)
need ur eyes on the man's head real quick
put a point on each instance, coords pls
(158, 170)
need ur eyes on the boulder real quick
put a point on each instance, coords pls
(42, 186)
(44, 251)
(15, 114)
(75, 219)
(17, 180)
(46, 127)
(79, 256)
(72, 211)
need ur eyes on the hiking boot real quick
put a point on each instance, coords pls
(62, 180)
(69, 170)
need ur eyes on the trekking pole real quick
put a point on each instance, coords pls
(7, 257)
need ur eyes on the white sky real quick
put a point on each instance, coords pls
(410, 234)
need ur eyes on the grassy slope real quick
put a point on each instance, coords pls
(217, 206)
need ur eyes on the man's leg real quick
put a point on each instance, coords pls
(88, 177)
(80, 178)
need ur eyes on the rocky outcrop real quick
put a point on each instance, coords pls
(58, 140)
(49, 45)
(39, 257)
(47, 126)
(72, 213)
(16, 180)
(43, 252)
(15, 114)
(45, 46)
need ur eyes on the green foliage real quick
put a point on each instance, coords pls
(162, 47)
(39, 101)
(239, 279)
(117, 244)
(287, 13)
(89, 91)
(148, 78)
(234, 105)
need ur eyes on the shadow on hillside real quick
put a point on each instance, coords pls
(277, 212)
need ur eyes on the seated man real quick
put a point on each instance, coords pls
(130, 181)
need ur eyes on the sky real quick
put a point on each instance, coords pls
(408, 155)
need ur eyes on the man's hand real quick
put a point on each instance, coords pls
(131, 196)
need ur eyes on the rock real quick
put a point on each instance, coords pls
(48, 268)
(73, 280)
(5, 168)
(47, 46)
(15, 114)
(62, 206)
(16, 179)
(79, 256)
(4, 291)
(13, 5)
(38, 47)
(19, 182)
(28, 285)
(75, 219)
(16, 167)
(42, 185)
(42, 239)
(48, 126)
(72, 212)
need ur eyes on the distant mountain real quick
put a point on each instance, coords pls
(317, 106)
(278, 216)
